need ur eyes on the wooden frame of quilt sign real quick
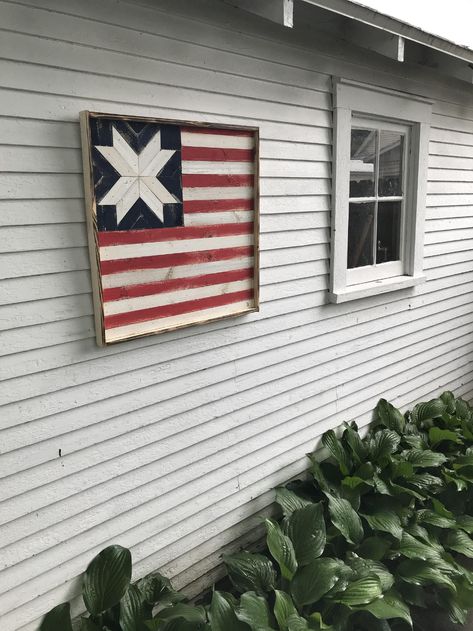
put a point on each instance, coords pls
(173, 222)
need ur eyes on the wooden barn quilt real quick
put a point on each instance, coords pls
(172, 221)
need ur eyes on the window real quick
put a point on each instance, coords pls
(380, 158)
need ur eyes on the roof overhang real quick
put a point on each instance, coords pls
(367, 28)
(373, 18)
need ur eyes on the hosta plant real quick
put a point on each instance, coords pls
(112, 602)
(381, 529)
(382, 526)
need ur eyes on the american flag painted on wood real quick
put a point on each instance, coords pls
(173, 223)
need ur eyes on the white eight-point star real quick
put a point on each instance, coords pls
(138, 173)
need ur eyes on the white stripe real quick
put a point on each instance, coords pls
(219, 168)
(128, 305)
(217, 192)
(113, 252)
(144, 276)
(160, 324)
(126, 152)
(212, 219)
(190, 139)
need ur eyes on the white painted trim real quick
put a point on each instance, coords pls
(376, 287)
(361, 100)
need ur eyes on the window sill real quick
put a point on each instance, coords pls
(365, 290)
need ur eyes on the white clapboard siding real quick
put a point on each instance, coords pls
(171, 444)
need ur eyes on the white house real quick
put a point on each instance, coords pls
(171, 444)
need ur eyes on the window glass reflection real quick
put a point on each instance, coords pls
(360, 234)
(388, 232)
(391, 147)
(362, 162)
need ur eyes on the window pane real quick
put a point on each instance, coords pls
(389, 231)
(362, 162)
(360, 235)
(391, 147)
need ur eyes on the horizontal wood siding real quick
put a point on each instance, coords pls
(171, 444)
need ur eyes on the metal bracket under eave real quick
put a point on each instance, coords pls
(279, 11)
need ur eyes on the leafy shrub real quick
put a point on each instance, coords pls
(381, 526)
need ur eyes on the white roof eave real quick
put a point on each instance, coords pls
(392, 25)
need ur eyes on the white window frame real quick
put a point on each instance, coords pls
(355, 104)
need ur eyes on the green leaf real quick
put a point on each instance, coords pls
(360, 592)
(283, 609)
(425, 481)
(425, 458)
(448, 601)
(356, 445)
(415, 441)
(297, 623)
(366, 567)
(250, 572)
(106, 579)
(336, 449)
(402, 469)
(156, 588)
(412, 548)
(317, 473)
(434, 519)
(453, 478)
(317, 624)
(440, 509)
(437, 435)
(463, 461)
(383, 443)
(281, 549)
(467, 429)
(427, 411)
(449, 399)
(85, 624)
(289, 501)
(423, 573)
(400, 489)
(374, 548)
(465, 522)
(190, 613)
(462, 410)
(423, 535)
(460, 542)
(389, 416)
(254, 611)
(132, 610)
(222, 614)
(306, 529)
(365, 472)
(345, 519)
(58, 619)
(386, 521)
(313, 581)
(352, 483)
(380, 485)
(389, 606)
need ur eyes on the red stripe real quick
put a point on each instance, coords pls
(149, 289)
(127, 237)
(171, 260)
(218, 130)
(215, 205)
(221, 154)
(229, 179)
(121, 319)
